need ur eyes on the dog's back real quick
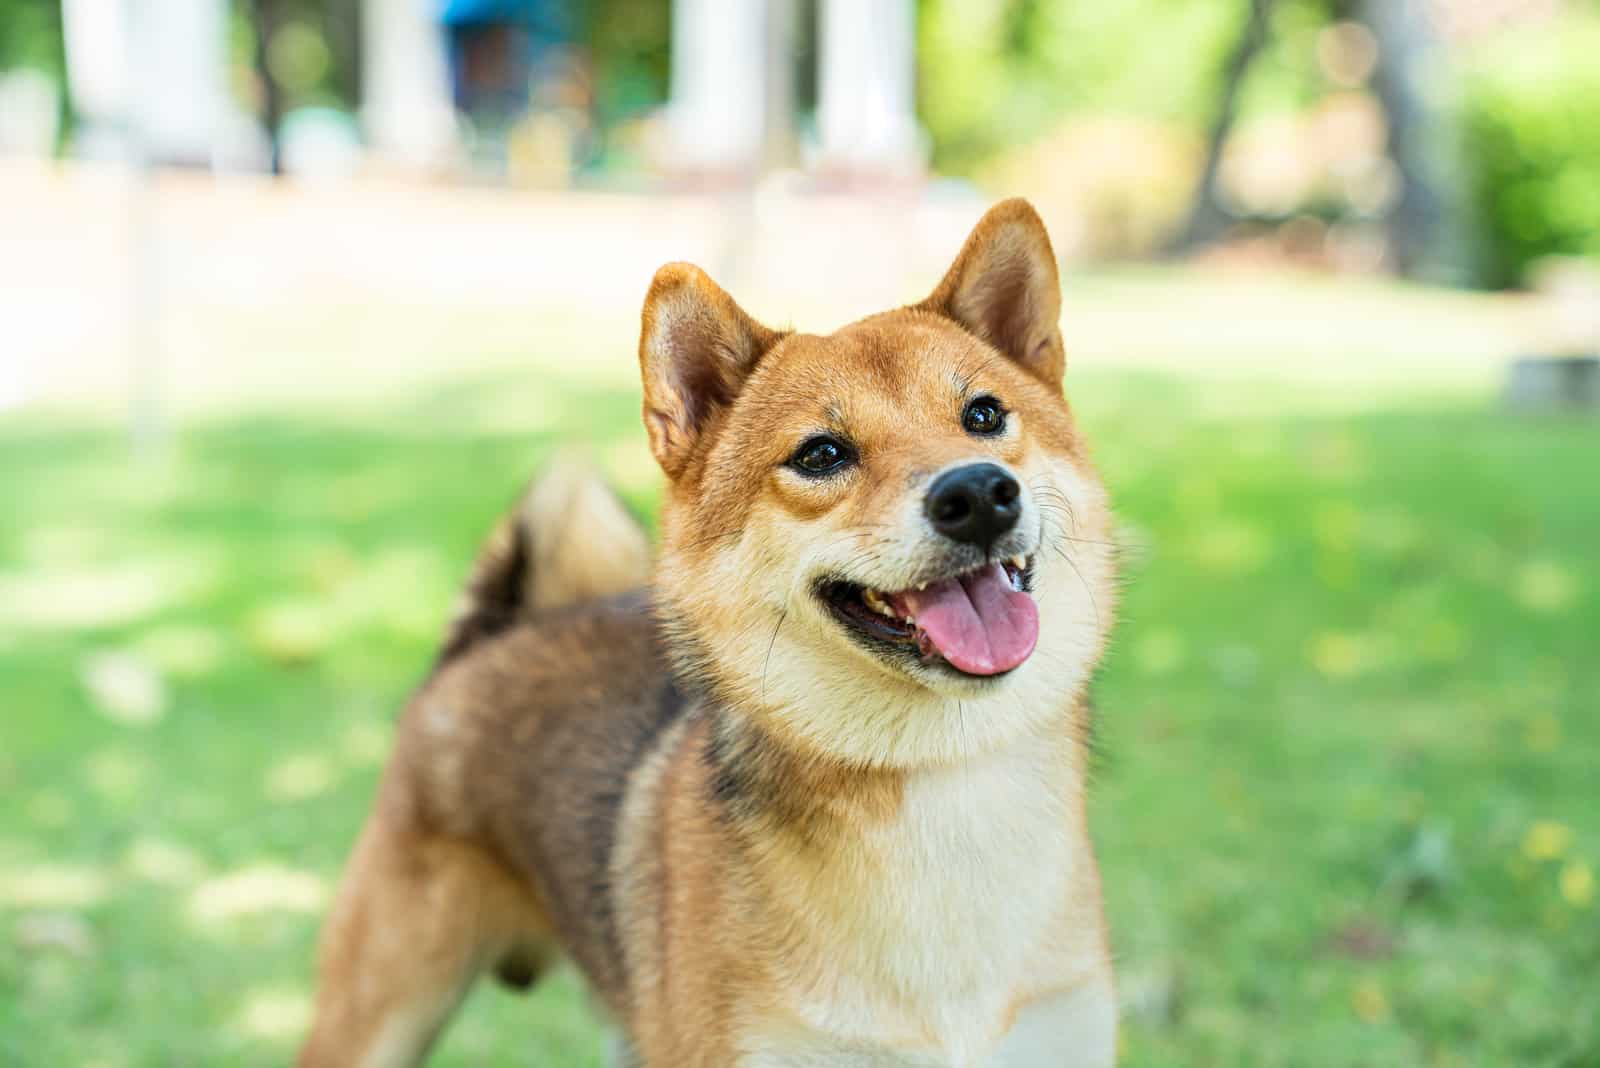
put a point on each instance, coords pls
(495, 820)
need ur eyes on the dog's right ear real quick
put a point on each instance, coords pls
(696, 348)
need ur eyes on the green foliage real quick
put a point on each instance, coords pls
(1531, 134)
(629, 40)
(30, 35)
(1285, 76)
(995, 73)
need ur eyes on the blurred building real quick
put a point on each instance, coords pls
(498, 83)
(733, 73)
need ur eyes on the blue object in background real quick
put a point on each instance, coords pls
(549, 20)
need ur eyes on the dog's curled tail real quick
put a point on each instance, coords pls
(569, 539)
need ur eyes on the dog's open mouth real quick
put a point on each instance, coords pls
(981, 622)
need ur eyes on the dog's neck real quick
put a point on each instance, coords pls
(765, 786)
(917, 896)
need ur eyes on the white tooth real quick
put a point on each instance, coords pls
(1019, 562)
(922, 585)
(876, 603)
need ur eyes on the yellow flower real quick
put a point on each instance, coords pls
(1546, 840)
(1338, 655)
(1369, 1001)
(1577, 884)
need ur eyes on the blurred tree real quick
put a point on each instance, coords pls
(1423, 237)
(304, 52)
(30, 35)
(1208, 220)
(1532, 145)
(630, 45)
(264, 23)
(998, 73)
(1419, 239)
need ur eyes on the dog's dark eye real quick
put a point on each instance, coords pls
(820, 456)
(984, 416)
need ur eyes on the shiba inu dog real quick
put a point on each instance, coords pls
(808, 790)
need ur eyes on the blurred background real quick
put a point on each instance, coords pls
(294, 294)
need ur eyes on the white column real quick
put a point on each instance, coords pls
(866, 111)
(148, 78)
(717, 112)
(181, 65)
(95, 33)
(406, 110)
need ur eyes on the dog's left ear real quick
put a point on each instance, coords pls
(1004, 288)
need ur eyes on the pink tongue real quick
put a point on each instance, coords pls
(977, 622)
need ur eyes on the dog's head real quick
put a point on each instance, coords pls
(887, 543)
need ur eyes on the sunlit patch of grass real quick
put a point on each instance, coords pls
(69, 544)
(1545, 587)
(1230, 546)
(124, 688)
(275, 1014)
(183, 650)
(53, 886)
(299, 777)
(77, 597)
(116, 774)
(256, 889)
(1160, 651)
(163, 861)
(49, 808)
(365, 744)
(291, 630)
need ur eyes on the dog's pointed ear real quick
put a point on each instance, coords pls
(696, 347)
(1004, 288)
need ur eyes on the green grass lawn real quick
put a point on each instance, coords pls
(1348, 787)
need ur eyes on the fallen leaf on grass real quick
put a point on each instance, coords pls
(1363, 940)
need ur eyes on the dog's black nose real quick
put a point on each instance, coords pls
(975, 504)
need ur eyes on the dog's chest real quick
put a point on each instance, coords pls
(925, 929)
